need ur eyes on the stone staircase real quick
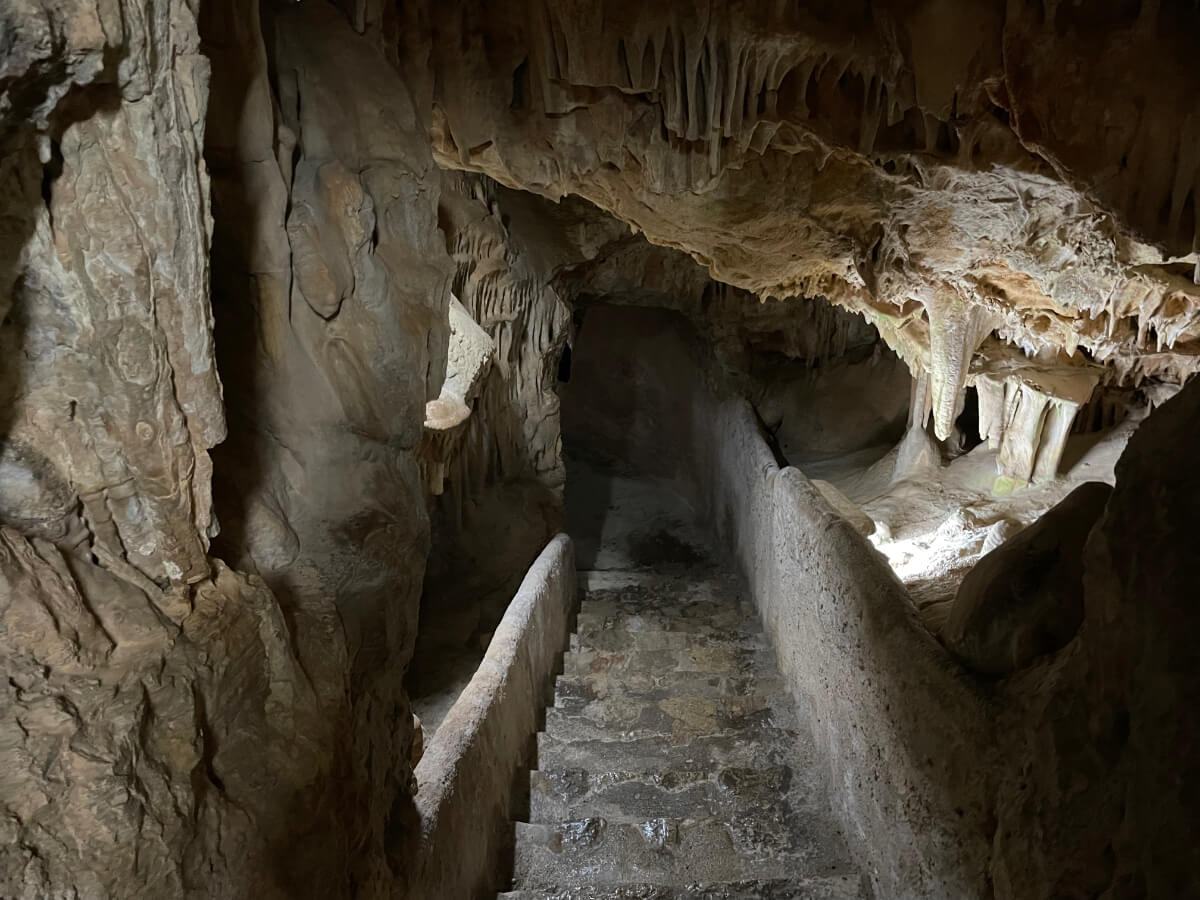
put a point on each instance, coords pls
(671, 765)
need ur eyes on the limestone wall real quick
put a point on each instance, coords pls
(182, 719)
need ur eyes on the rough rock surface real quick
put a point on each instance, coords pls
(1109, 771)
(171, 727)
(331, 285)
(155, 725)
(1008, 193)
(109, 387)
(1025, 598)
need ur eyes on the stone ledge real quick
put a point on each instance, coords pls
(466, 778)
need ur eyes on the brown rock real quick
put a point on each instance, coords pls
(1025, 598)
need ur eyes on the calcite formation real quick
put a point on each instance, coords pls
(1025, 597)
(505, 289)
(469, 358)
(903, 161)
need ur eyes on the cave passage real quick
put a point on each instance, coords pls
(598, 448)
(671, 754)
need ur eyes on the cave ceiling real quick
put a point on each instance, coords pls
(1006, 191)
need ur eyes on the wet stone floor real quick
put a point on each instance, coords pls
(671, 765)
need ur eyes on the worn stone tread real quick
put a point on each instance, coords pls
(772, 746)
(835, 887)
(572, 692)
(663, 850)
(671, 718)
(672, 764)
(597, 636)
(725, 793)
(626, 664)
(704, 619)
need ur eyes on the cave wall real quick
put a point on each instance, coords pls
(173, 726)
(154, 717)
(1103, 798)
(332, 319)
(111, 396)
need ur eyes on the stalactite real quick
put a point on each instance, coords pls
(1025, 417)
(956, 329)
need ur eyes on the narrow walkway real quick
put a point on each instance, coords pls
(672, 765)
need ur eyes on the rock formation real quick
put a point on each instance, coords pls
(226, 733)
(917, 174)
(1025, 597)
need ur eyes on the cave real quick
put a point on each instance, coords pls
(599, 450)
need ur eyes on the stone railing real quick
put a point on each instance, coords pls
(902, 729)
(468, 775)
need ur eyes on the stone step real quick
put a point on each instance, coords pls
(672, 765)
(663, 850)
(685, 600)
(728, 793)
(651, 585)
(833, 887)
(702, 619)
(574, 694)
(700, 660)
(599, 637)
(768, 746)
(670, 719)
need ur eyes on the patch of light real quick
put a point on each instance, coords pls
(956, 543)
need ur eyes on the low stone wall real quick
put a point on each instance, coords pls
(902, 729)
(468, 777)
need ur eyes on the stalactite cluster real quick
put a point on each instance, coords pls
(916, 179)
